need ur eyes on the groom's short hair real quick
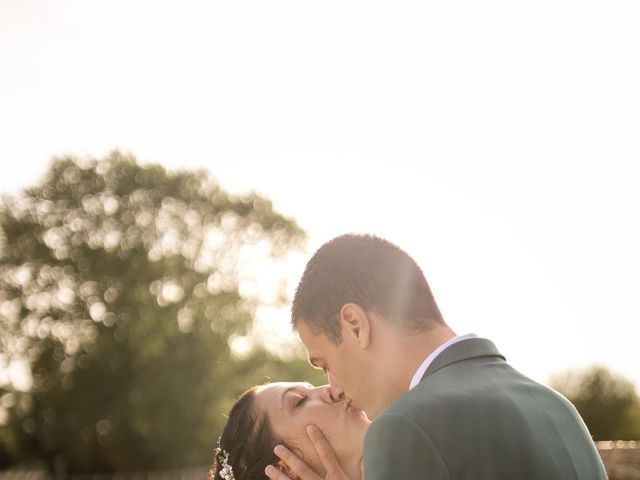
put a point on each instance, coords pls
(371, 272)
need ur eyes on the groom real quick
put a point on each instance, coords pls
(443, 406)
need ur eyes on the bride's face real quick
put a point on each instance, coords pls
(290, 407)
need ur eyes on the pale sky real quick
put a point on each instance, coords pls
(497, 142)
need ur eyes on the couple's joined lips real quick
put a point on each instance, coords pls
(351, 406)
(346, 403)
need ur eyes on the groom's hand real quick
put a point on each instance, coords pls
(299, 469)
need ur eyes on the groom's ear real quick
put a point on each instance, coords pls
(355, 322)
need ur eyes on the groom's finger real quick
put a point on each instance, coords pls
(297, 466)
(274, 474)
(326, 453)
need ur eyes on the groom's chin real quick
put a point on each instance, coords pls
(355, 410)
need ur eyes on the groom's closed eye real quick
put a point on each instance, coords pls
(316, 364)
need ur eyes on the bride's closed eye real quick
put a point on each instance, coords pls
(300, 401)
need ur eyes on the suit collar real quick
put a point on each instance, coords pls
(463, 350)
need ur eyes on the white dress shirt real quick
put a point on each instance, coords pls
(423, 368)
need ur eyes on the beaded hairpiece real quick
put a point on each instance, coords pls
(227, 469)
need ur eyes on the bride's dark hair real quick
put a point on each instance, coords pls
(248, 439)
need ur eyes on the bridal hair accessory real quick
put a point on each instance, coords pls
(227, 469)
(223, 458)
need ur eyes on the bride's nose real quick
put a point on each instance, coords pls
(326, 395)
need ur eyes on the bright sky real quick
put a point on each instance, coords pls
(497, 142)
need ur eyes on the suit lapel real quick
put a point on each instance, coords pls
(464, 350)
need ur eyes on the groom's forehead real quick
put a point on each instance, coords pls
(309, 337)
(321, 353)
(320, 348)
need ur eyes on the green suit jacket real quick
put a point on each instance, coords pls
(474, 417)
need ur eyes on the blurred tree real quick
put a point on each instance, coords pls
(607, 402)
(119, 291)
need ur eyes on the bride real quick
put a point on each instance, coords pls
(279, 413)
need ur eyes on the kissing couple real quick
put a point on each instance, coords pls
(406, 398)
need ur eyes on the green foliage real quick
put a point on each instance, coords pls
(119, 288)
(607, 402)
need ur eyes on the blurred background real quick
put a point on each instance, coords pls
(168, 168)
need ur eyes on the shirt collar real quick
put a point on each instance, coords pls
(423, 368)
